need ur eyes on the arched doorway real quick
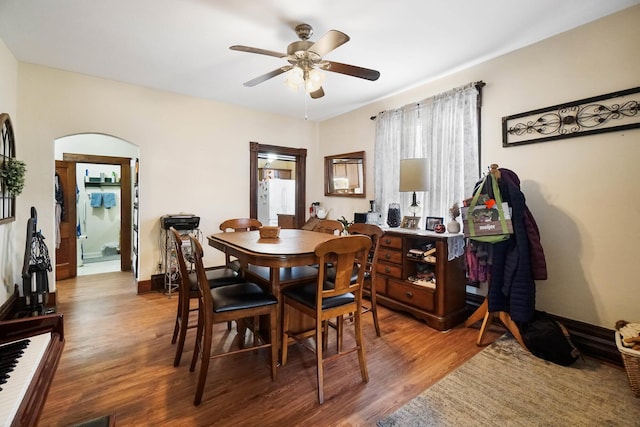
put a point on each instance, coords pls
(96, 165)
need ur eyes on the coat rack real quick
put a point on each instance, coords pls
(483, 312)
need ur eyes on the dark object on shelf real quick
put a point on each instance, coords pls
(360, 218)
(394, 218)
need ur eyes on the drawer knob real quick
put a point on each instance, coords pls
(387, 256)
(409, 294)
(387, 241)
(387, 270)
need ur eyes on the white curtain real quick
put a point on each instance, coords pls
(443, 129)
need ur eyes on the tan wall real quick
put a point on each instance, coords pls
(582, 191)
(9, 270)
(194, 154)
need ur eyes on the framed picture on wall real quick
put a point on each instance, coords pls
(432, 221)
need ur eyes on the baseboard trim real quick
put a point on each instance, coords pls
(594, 341)
(591, 340)
(156, 283)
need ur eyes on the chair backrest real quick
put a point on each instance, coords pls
(185, 284)
(204, 295)
(329, 226)
(375, 233)
(240, 224)
(342, 253)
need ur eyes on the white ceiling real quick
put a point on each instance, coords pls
(182, 46)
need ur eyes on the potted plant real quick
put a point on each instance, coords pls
(454, 212)
(12, 173)
(346, 223)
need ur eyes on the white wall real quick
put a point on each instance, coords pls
(582, 191)
(194, 154)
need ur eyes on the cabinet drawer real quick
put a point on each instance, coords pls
(391, 242)
(417, 296)
(389, 255)
(392, 270)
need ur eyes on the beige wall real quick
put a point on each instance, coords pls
(194, 155)
(9, 270)
(582, 191)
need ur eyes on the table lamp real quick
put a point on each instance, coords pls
(413, 177)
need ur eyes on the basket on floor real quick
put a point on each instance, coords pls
(631, 359)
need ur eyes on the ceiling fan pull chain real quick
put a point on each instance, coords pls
(304, 95)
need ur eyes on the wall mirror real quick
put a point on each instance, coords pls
(344, 175)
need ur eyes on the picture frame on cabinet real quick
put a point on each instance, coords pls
(432, 221)
(410, 222)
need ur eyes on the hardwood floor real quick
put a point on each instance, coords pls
(118, 359)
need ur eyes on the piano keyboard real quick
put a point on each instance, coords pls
(17, 380)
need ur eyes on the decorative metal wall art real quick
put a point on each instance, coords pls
(7, 154)
(604, 113)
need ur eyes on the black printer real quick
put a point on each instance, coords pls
(180, 221)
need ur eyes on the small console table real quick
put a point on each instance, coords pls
(431, 288)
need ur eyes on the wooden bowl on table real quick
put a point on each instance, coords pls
(269, 232)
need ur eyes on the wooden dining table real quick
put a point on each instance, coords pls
(293, 248)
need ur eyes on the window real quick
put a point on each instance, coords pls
(444, 129)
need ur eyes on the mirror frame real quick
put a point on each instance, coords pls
(328, 173)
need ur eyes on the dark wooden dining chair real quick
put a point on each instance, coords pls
(375, 233)
(330, 226)
(238, 224)
(322, 301)
(188, 290)
(238, 301)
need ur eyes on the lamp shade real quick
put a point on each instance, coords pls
(413, 175)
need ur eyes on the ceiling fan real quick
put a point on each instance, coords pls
(305, 59)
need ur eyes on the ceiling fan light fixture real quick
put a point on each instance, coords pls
(306, 64)
(311, 80)
(314, 80)
(295, 78)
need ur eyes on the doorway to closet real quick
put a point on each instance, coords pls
(97, 233)
(98, 218)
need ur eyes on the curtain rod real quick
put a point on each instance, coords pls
(478, 85)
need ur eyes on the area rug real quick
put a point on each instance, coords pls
(506, 385)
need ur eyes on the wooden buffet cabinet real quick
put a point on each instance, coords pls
(441, 305)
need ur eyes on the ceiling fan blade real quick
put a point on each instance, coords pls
(317, 93)
(267, 76)
(351, 70)
(330, 41)
(259, 51)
